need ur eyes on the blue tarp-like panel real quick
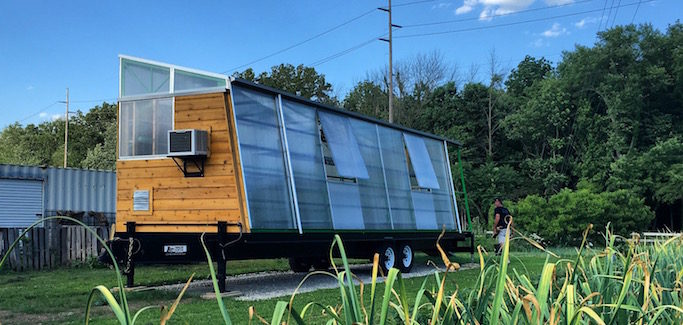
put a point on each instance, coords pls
(422, 163)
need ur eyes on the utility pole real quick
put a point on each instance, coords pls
(391, 72)
(66, 126)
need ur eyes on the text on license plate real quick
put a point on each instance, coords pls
(175, 249)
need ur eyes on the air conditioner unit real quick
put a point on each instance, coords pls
(184, 143)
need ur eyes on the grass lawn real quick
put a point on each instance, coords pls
(59, 296)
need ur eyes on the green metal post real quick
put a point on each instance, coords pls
(464, 190)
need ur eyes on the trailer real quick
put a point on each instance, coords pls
(267, 174)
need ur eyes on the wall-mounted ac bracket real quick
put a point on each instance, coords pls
(191, 161)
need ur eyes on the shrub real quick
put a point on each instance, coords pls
(562, 218)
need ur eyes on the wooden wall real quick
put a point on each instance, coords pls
(177, 199)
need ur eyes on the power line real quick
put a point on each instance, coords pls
(94, 100)
(38, 112)
(635, 12)
(616, 11)
(327, 31)
(496, 15)
(412, 3)
(609, 14)
(602, 17)
(346, 51)
(512, 23)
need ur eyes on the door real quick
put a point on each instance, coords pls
(21, 202)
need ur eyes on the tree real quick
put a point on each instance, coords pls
(368, 98)
(300, 80)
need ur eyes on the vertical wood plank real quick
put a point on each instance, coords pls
(13, 253)
(70, 240)
(43, 249)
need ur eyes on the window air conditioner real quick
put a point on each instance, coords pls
(184, 143)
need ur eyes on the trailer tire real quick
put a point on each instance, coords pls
(299, 265)
(406, 257)
(387, 258)
(321, 264)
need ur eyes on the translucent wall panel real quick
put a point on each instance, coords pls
(419, 158)
(398, 180)
(442, 196)
(263, 161)
(373, 194)
(425, 215)
(139, 78)
(343, 144)
(144, 126)
(346, 209)
(307, 165)
(183, 81)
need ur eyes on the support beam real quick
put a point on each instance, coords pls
(464, 190)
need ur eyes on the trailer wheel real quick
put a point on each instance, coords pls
(405, 263)
(299, 265)
(387, 258)
(321, 264)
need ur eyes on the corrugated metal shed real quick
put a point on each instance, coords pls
(70, 189)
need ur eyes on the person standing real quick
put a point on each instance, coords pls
(501, 224)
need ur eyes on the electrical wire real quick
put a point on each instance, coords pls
(602, 17)
(635, 12)
(493, 16)
(38, 112)
(616, 11)
(327, 31)
(346, 51)
(512, 23)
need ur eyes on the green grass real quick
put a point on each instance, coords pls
(23, 298)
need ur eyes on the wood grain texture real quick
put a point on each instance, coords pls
(192, 202)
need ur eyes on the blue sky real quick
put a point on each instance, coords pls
(46, 46)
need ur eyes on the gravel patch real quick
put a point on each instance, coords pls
(268, 285)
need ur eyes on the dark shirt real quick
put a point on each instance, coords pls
(503, 212)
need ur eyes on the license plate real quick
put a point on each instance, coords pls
(171, 250)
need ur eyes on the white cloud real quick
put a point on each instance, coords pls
(466, 7)
(558, 2)
(583, 22)
(57, 117)
(442, 5)
(493, 7)
(540, 42)
(29, 88)
(555, 31)
(43, 115)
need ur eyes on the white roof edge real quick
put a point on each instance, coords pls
(173, 66)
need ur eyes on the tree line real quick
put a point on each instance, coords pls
(599, 130)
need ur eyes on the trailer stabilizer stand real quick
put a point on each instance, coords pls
(220, 258)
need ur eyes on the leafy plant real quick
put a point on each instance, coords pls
(119, 306)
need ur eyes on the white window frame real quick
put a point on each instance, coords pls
(118, 136)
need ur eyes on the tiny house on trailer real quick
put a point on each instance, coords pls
(267, 174)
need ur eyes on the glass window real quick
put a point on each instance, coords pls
(263, 164)
(343, 146)
(442, 196)
(183, 81)
(307, 165)
(421, 162)
(398, 180)
(346, 208)
(373, 194)
(141, 78)
(144, 127)
(425, 215)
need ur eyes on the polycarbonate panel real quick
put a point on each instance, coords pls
(144, 126)
(343, 145)
(373, 193)
(398, 180)
(425, 214)
(307, 165)
(163, 122)
(421, 162)
(442, 196)
(346, 207)
(263, 163)
(183, 81)
(139, 78)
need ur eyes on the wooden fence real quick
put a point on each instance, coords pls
(50, 247)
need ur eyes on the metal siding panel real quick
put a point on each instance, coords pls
(70, 189)
(20, 200)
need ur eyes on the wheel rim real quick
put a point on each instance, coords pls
(407, 256)
(389, 258)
